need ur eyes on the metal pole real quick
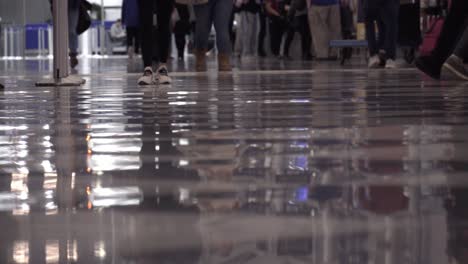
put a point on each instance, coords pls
(39, 43)
(5, 41)
(12, 41)
(60, 31)
(103, 29)
(50, 35)
(60, 13)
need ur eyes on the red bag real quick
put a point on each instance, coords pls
(435, 24)
(431, 36)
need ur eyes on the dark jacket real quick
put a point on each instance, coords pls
(130, 13)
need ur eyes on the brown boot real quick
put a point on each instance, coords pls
(200, 60)
(224, 62)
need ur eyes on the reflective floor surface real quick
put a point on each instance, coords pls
(324, 165)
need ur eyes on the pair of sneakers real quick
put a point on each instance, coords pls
(376, 62)
(150, 78)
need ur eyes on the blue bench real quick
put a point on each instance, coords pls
(347, 43)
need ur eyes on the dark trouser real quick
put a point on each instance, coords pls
(73, 16)
(182, 28)
(451, 31)
(385, 12)
(462, 47)
(410, 25)
(262, 33)
(277, 28)
(300, 25)
(164, 11)
(133, 38)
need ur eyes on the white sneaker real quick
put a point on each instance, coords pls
(390, 64)
(374, 62)
(162, 76)
(147, 78)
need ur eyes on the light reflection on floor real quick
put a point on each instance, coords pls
(267, 165)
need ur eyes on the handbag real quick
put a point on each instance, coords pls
(84, 19)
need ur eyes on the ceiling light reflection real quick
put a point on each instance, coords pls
(122, 196)
(21, 252)
(52, 252)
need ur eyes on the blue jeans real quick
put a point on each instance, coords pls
(73, 16)
(217, 12)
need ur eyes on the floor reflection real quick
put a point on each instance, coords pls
(327, 166)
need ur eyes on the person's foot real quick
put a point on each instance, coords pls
(147, 78)
(224, 62)
(374, 62)
(200, 60)
(162, 76)
(456, 66)
(383, 58)
(73, 61)
(427, 66)
(307, 57)
(390, 64)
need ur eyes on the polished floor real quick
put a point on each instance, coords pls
(280, 162)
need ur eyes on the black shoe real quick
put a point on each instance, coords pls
(455, 65)
(262, 53)
(383, 58)
(307, 57)
(2, 87)
(427, 66)
(73, 62)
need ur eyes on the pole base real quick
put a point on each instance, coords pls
(71, 80)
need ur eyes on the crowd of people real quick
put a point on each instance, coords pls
(317, 22)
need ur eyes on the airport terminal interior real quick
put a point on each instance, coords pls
(283, 160)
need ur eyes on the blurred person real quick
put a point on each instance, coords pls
(73, 18)
(262, 30)
(385, 13)
(277, 20)
(325, 25)
(348, 29)
(181, 28)
(454, 25)
(209, 13)
(246, 39)
(409, 28)
(163, 10)
(117, 30)
(297, 16)
(130, 19)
